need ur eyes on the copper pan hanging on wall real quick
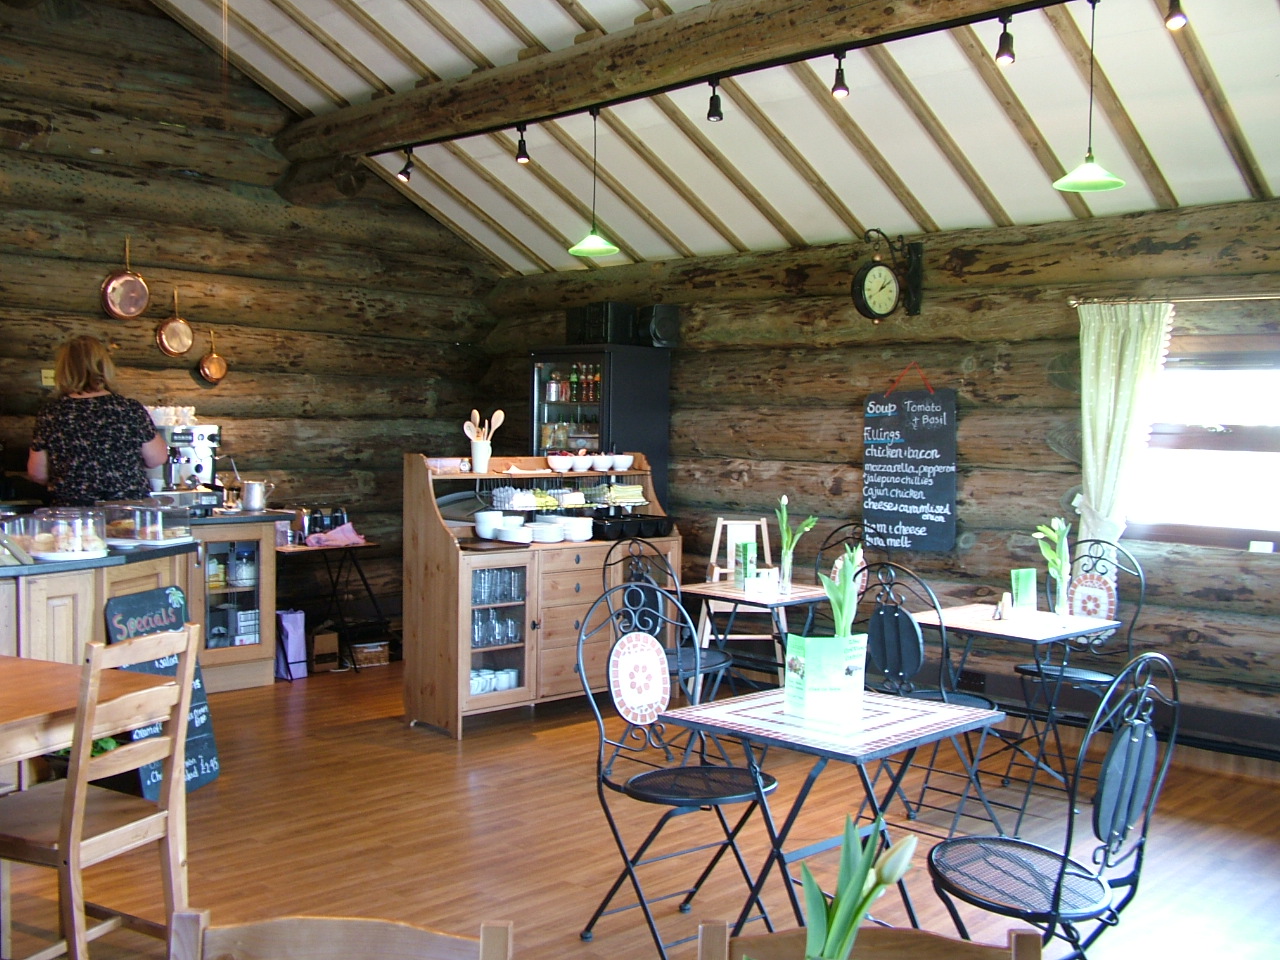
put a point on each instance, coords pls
(174, 336)
(124, 293)
(212, 367)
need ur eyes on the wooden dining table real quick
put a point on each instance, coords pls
(38, 701)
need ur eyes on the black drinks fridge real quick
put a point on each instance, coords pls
(611, 398)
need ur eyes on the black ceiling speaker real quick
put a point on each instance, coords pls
(659, 324)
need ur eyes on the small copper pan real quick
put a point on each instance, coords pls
(174, 336)
(212, 367)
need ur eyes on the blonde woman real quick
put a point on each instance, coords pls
(89, 442)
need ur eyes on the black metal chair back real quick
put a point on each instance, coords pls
(640, 562)
(1093, 874)
(890, 595)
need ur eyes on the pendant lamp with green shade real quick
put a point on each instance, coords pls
(593, 245)
(1090, 176)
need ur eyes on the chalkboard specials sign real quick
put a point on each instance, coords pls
(909, 470)
(154, 611)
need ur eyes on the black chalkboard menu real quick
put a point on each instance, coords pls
(154, 611)
(909, 470)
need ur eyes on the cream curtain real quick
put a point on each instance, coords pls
(1122, 345)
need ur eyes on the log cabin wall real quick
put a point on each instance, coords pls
(775, 363)
(342, 323)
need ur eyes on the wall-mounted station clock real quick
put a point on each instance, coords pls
(876, 290)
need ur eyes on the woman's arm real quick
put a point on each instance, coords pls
(38, 466)
(155, 451)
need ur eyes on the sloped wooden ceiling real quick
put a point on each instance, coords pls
(934, 136)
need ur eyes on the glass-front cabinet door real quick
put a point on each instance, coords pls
(498, 609)
(239, 603)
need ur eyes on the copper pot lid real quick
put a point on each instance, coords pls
(213, 367)
(124, 293)
(174, 336)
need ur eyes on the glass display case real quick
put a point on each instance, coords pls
(232, 585)
(608, 398)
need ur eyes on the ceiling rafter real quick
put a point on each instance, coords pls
(722, 38)
(385, 37)
(451, 34)
(482, 172)
(726, 168)
(336, 49)
(993, 77)
(793, 157)
(634, 143)
(1215, 101)
(858, 139)
(910, 96)
(197, 30)
(677, 184)
(1076, 44)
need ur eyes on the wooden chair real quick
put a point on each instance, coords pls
(873, 943)
(722, 566)
(329, 938)
(71, 824)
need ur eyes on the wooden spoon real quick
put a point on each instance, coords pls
(499, 418)
(475, 419)
(484, 431)
(469, 429)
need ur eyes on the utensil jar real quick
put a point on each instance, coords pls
(480, 452)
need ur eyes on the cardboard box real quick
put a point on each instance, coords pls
(324, 652)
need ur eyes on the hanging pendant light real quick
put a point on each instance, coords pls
(407, 170)
(1004, 46)
(593, 245)
(522, 152)
(839, 89)
(714, 113)
(1089, 177)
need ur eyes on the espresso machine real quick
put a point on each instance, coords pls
(189, 467)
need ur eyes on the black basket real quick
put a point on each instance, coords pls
(605, 527)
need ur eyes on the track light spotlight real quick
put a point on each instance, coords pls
(522, 153)
(1004, 50)
(839, 89)
(1175, 19)
(407, 170)
(714, 113)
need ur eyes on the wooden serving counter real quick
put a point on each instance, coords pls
(491, 609)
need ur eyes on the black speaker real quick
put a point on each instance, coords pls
(605, 322)
(659, 325)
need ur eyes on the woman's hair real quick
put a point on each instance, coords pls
(83, 365)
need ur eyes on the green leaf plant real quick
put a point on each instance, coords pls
(1055, 549)
(833, 922)
(842, 589)
(787, 537)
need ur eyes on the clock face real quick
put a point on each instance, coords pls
(876, 291)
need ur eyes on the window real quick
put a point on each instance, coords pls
(1211, 471)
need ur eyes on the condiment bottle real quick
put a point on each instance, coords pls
(573, 384)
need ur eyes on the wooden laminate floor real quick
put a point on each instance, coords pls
(328, 804)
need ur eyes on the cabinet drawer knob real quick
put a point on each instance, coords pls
(577, 588)
(534, 625)
(577, 624)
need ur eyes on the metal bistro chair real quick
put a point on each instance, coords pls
(895, 661)
(635, 759)
(1075, 890)
(1106, 582)
(874, 943)
(635, 560)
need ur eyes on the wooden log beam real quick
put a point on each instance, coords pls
(714, 39)
(1039, 374)
(378, 220)
(324, 180)
(97, 136)
(1221, 248)
(70, 235)
(986, 438)
(40, 283)
(37, 334)
(42, 73)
